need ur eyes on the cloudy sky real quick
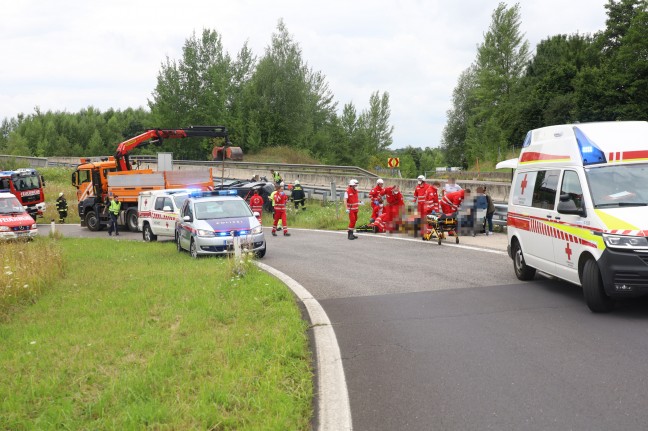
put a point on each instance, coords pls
(67, 55)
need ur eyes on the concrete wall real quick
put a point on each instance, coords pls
(499, 191)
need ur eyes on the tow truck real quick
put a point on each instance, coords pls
(26, 185)
(97, 180)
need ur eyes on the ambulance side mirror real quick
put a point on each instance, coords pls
(566, 205)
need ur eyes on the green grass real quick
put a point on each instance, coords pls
(138, 336)
(329, 216)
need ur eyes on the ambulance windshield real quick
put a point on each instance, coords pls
(618, 185)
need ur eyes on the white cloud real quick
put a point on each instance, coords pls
(71, 54)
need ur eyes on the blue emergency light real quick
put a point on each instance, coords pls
(205, 194)
(590, 153)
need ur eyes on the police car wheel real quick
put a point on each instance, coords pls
(522, 271)
(261, 252)
(193, 249)
(148, 234)
(593, 291)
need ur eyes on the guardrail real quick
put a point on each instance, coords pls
(261, 166)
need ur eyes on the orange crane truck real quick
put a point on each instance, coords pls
(96, 181)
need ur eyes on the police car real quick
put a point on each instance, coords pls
(209, 221)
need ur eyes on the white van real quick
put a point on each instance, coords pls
(578, 209)
(158, 210)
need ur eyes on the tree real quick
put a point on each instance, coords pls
(453, 140)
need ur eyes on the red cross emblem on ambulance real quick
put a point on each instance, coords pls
(568, 251)
(524, 183)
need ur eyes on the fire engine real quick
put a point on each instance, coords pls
(27, 186)
(96, 181)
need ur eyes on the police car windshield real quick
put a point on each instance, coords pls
(215, 209)
(618, 185)
(10, 206)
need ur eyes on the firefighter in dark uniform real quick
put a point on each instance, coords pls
(298, 196)
(61, 207)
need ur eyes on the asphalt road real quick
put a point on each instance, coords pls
(446, 338)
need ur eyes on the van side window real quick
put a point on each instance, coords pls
(571, 190)
(159, 204)
(546, 187)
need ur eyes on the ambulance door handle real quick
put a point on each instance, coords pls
(548, 216)
(557, 218)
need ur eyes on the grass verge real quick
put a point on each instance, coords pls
(139, 336)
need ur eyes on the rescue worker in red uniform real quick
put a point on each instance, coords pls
(280, 198)
(450, 202)
(419, 199)
(391, 211)
(376, 195)
(256, 204)
(430, 204)
(351, 202)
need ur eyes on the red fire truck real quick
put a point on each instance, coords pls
(27, 185)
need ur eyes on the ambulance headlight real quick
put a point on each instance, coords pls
(257, 230)
(202, 232)
(625, 242)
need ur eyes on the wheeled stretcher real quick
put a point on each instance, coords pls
(440, 227)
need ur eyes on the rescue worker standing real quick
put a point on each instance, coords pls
(351, 203)
(280, 199)
(419, 195)
(113, 212)
(298, 196)
(376, 195)
(256, 204)
(61, 207)
(276, 177)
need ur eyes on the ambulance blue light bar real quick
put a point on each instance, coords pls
(590, 153)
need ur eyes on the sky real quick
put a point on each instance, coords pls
(66, 55)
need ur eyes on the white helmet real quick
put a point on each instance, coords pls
(296, 182)
(421, 178)
(353, 182)
(379, 181)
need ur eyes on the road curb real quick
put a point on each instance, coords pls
(333, 408)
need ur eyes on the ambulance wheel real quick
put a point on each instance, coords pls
(92, 221)
(522, 271)
(147, 234)
(193, 249)
(593, 291)
(131, 220)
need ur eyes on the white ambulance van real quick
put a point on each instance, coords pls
(578, 209)
(158, 210)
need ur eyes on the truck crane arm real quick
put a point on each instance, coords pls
(156, 136)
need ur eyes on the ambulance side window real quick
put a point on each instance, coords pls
(571, 190)
(546, 187)
(159, 204)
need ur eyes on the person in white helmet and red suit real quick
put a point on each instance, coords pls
(376, 195)
(420, 192)
(392, 212)
(280, 198)
(352, 202)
